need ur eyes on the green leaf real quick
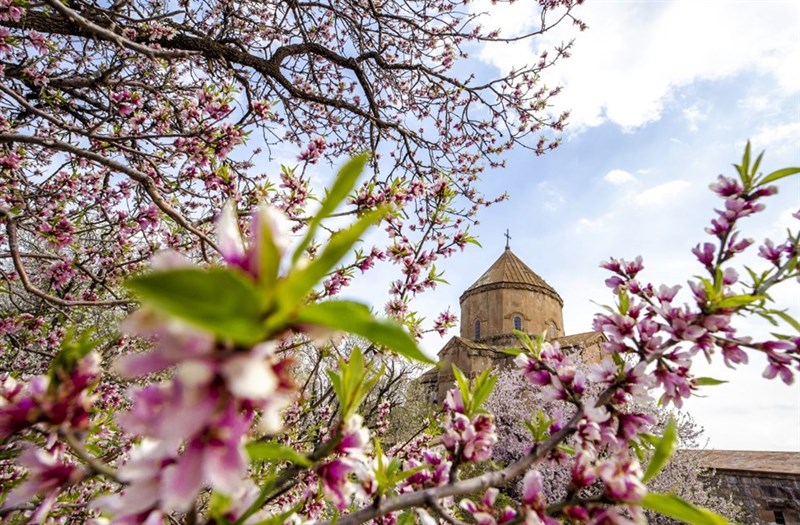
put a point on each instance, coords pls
(649, 438)
(406, 518)
(73, 348)
(638, 450)
(484, 386)
(218, 300)
(300, 282)
(272, 452)
(663, 451)
(674, 507)
(566, 449)
(356, 318)
(513, 351)
(405, 474)
(94, 449)
(624, 302)
(526, 341)
(338, 386)
(539, 425)
(708, 381)
(745, 167)
(756, 164)
(735, 301)
(344, 183)
(352, 382)
(787, 318)
(777, 175)
(463, 385)
(269, 256)
(473, 240)
(218, 506)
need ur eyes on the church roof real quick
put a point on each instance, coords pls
(751, 460)
(582, 339)
(509, 270)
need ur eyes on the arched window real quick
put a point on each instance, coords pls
(517, 323)
(477, 329)
(552, 330)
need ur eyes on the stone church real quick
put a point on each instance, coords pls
(508, 296)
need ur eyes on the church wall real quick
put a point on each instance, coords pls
(471, 361)
(767, 498)
(497, 307)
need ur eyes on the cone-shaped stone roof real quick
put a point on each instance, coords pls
(510, 271)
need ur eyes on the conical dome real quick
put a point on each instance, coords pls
(510, 296)
(508, 271)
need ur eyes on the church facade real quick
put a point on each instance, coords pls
(508, 296)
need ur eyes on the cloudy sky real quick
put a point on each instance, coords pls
(663, 96)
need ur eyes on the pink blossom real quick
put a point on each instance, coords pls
(705, 253)
(534, 503)
(584, 472)
(335, 483)
(169, 412)
(355, 436)
(471, 439)
(64, 403)
(266, 226)
(48, 473)
(779, 365)
(483, 511)
(622, 478)
(532, 370)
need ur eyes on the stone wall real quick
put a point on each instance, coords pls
(469, 359)
(766, 497)
(496, 305)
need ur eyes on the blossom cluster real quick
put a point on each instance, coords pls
(62, 400)
(468, 439)
(350, 472)
(654, 326)
(195, 423)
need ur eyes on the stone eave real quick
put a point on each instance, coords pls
(511, 286)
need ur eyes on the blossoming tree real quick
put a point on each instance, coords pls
(126, 126)
(202, 438)
(517, 404)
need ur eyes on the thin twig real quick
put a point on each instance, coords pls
(439, 511)
(13, 248)
(142, 178)
(97, 466)
(116, 38)
(490, 479)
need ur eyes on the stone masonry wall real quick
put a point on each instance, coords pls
(497, 307)
(767, 498)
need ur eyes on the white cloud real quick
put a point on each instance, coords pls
(755, 103)
(663, 193)
(694, 115)
(777, 137)
(619, 177)
(626, 66)
(550, 198)
(586, 225)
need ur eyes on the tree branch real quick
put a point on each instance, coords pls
(106, 34)
(142, 178)
(490, 479)
(13, 248)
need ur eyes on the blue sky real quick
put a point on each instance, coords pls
(663, 97)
